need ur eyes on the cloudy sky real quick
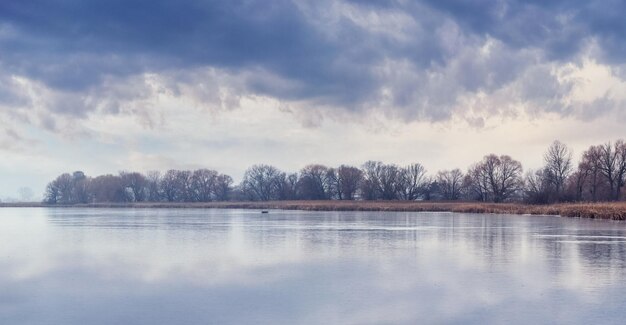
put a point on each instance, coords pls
(104, 86)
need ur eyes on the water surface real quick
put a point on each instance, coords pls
(125, 266)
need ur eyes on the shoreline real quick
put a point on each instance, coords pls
(603, 210)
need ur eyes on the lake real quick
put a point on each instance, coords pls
(191, 266)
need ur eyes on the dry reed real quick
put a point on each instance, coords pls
(604, 210)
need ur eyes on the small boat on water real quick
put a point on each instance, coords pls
(264, 211)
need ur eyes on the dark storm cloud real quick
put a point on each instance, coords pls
(72, 40)
(558, 27)
(74, 45)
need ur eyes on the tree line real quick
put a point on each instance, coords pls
(599, 176)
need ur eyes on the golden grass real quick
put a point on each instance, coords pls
(604, 210)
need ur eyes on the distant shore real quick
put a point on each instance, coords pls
(604, 210)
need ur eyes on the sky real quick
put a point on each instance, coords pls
(106, 86)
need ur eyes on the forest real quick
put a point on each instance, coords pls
(598, 176)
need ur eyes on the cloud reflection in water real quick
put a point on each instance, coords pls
(76, 266)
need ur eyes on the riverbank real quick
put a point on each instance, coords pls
(609, 210)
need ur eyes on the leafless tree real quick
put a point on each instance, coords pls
(168, 185)
(476, 184)
(348, 180)
(153, 186)
(613, 166)
(287, 186)
(80, 188)
(389, 177)
(558, 160)
(431, 189)
(316, 182)
(449, 183)
(600, 175)
(108, 188)
(175, 185)
(499, 177)
(261, 182)
(620, 147)
(590, 165)
(388, 181)
(577, 181)
(371, 181)
(184, 186)
(332, 178)
(136, 183)
(412, 181)
(68, 189)
(537, 187)
(59, 190)
(223, 187)
(203, 182)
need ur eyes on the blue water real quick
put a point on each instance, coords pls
(187, 266)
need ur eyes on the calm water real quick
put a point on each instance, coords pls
(90, 266)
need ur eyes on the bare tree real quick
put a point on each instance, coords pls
(168, 185)
(600, 175)
(332, 177)
(80, 188)
(175, 185)
(613, 166)
(371, 181)
(261, 182)
(578, 179)
(499, 177)
(412, 181)
(203, 182)
(348, 180)
(537, 188)
(60, 190)
(476, 184)
(431, 188)
(287, 186)
(558, 160)
(136, 183)
(509, 178)
(620, 147)
(390, 182)
(316, 182)
(153, 187)
(108, 188)
(223, 187)
(52, 194)
(449, 183)
(591, 166)
(389, 177)
(184, 186)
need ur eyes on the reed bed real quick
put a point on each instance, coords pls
(604, 210)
